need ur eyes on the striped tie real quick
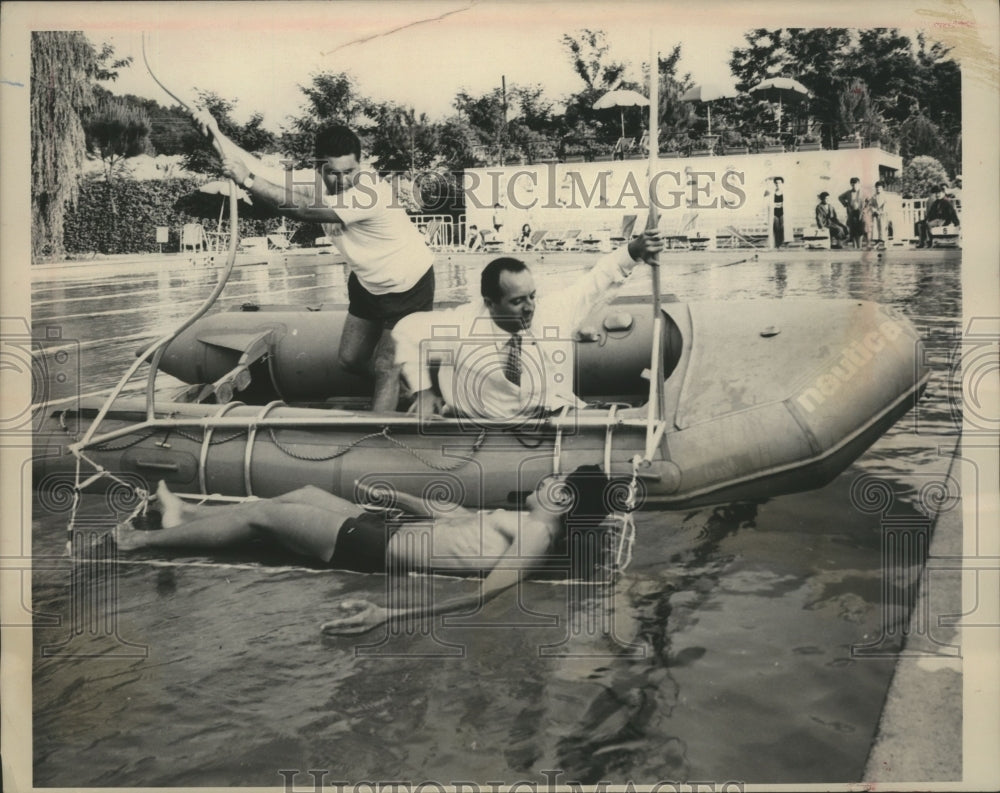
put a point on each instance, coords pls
(512, 369)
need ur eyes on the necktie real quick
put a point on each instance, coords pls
(512, 369)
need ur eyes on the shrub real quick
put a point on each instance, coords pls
(122, 217)
(920, 175)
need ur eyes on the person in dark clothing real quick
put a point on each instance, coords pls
(778, 212)
(826, 218)
(940, 212)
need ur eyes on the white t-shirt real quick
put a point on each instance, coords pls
(473, 350)
(383, 248)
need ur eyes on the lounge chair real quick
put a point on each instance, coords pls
(193, 236)
(255, 244)
(593, 240)
(570, 240)
(628, 223)
(624, 146)
(682, 233)
(536, 239)
(279, 242)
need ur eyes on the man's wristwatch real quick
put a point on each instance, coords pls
(248, 182)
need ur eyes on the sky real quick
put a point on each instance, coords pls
(419, 54)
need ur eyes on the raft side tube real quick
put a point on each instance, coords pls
(301, 362)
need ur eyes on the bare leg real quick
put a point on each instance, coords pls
(306, 521)
(357, 344)
(386, 374)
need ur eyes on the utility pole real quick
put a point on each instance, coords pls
(503, 125)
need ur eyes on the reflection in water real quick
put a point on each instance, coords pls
(745, 612)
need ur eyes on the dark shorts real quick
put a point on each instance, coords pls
(388, 309)
(362, 542)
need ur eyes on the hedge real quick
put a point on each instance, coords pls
(122, 217)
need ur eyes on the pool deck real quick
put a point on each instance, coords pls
(211, 260)
(920, 733)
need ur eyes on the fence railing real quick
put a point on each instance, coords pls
(442, 231)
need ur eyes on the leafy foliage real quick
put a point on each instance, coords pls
(63, 65)
(200, 157)
(875, 83)
(921, 175)
(116, 129)
(147, 204)
(330, 96)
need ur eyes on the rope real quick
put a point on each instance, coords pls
(384, 433)
(155, 350)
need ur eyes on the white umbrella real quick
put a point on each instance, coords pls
(707, 93)
(780, 89)
(621, 98)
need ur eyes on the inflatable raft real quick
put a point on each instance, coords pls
(759, 398)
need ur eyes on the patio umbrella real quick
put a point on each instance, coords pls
(621, 99)
(209, 201)
(780, 89)
(707, 93)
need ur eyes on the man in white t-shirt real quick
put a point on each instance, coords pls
(508, 355)
(392, 272)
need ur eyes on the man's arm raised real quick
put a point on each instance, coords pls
(273, 187)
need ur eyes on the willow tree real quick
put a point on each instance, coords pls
(62, 66)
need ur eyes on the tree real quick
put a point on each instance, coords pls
(63, 66)
(457, 144)
(402, 140)
(676, 118)
(116, 129)
(814, 56)
(857, 114)
(920, 176)
(588, 52)
(200, 157)
(331, 96)
(902, 78)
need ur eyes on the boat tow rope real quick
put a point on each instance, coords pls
(154, 351)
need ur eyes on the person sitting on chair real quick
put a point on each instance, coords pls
(940, 212)
(345, 536)
(826, 218)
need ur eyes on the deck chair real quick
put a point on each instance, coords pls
(569, 241)
(536, 239)
(193, 236)
(279, 242)
(679, 234)
(491, 241)
(256, 244)
(624, 146)
(628, 223)
(593, 241)
(431, 234)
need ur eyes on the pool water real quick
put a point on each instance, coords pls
(751, 641)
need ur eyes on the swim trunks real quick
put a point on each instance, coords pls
(362, 542)
(391, 307)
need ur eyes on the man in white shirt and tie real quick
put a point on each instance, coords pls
(509, 355)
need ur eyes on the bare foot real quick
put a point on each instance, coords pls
(171, 507)
(127, 538)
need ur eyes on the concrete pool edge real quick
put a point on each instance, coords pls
(919, 736)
